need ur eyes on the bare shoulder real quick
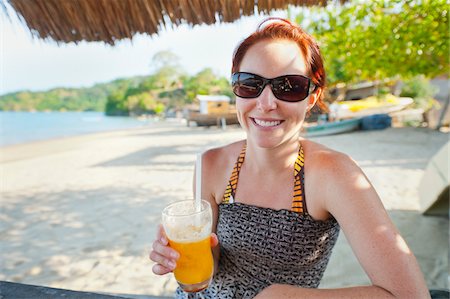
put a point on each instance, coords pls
(332, 179)
(218, 164)
(322, 160)
(221, 156)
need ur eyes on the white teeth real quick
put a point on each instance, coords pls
(264, 123)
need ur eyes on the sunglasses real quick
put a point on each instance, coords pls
(289, 88)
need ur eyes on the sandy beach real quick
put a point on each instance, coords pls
(80, 213)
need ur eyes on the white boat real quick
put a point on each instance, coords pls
(347, 109)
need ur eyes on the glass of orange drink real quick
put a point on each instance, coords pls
(188, 229)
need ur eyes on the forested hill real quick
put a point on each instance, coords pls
(167, 88)
(61, 99)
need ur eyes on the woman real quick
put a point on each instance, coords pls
(279, 200)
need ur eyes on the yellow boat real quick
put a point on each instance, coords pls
(368, 106)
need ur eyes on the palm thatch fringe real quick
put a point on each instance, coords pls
(113, 20)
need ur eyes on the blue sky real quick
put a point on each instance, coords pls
(28, 63)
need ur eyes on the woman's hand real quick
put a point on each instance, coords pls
(165, 257)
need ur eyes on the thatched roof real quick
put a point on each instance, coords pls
(113, 20)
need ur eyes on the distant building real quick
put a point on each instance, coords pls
(215, 110)
(214, 104)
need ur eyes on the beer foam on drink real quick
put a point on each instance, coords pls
(189, 233)
(183, 222)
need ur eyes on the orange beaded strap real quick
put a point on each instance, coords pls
(298, 200)
(228, 196)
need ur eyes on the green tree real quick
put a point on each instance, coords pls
(116, 105)
(205, 82)
(167, 70)
(163, 59)
(74, 99)
(144, 103)
(368, 40)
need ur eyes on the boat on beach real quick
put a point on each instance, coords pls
(368, 114)
(331, 128)
(218, 119)
(368, 106)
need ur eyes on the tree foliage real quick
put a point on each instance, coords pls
(60, 99)
(205, 82)
(369, 40)
(168, 87)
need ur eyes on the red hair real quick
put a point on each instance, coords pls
(279, 28)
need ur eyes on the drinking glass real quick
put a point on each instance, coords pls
(188, 229)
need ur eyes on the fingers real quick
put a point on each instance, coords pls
(214, 240)
(161, 235)
(163, 265)
(165, 251)
(160, 270)
(164, 256)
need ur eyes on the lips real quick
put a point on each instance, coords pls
(266, 123)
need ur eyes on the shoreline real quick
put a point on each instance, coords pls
(55, 138)
(28, 148)
(81, 212)
(79, 123)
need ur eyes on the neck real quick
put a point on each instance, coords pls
(272, 160)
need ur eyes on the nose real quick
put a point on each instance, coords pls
(266, 100)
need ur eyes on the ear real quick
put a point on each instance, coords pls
(314, 97)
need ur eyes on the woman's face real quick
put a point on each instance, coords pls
(268, 121)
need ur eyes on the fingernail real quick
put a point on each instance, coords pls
(171, 265)
(175, 255)
(164, 240)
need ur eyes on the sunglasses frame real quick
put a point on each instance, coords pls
(311, 86)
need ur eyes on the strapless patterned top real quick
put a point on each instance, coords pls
(262, 246)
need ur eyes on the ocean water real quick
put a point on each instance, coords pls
(22, 127)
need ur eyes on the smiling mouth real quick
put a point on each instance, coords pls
(266, 123)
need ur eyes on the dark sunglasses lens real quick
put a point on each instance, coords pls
(291, 88)
(246, 85)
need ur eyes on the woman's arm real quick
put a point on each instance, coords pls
(290, 292)
(381, 251)
(212, 177)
